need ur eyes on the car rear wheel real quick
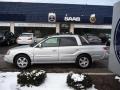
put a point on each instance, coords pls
(84, 61)
(22, 61)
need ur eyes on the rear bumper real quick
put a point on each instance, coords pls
(105, 56)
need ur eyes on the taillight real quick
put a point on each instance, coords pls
(30, 39)
(106, 48)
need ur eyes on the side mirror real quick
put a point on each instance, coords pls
(40, 45)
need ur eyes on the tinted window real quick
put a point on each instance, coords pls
(26, 35)
(68, 41)
(51, 42)
(83, 41)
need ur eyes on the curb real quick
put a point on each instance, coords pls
(99, 73)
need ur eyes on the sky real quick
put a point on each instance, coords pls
(89, 2)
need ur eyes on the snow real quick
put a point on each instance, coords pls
(54, 81)
(118, 78)
(77, 77)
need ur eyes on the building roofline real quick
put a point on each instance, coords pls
(55, 3)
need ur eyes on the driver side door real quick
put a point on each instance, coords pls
(48, 51)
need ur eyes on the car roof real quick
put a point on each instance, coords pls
(27, 33)
(65, 35)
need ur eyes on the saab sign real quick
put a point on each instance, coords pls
(92, 18)
(69, 18)
(51, 17)
(114, 59)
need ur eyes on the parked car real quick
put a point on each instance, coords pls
(108, 36)
(26, 38)
(104, 38)
(7, 38)
(93, 39)
(57, 49)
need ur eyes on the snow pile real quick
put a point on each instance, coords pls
(79, 81)
(54, 81)
(30, 78)
(118, 78)
(8, 81)
(77, 77)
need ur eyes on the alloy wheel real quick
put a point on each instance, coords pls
(83, 62)
(22, 62)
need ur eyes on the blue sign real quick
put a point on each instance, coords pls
(117, 41)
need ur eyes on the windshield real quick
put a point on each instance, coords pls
(26, 35)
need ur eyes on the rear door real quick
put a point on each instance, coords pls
(67, 49)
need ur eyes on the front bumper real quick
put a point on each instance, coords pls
(8, 58)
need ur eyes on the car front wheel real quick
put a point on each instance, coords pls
(22, 61)
(84, 61)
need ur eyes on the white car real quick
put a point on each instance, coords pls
(26, 38)
(57, 49)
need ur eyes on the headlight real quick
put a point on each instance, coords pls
(8, 52)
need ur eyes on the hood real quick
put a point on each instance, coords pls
(21, 47)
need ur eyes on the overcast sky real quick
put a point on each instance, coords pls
(89, 2)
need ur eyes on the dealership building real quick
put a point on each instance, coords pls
(45, 19)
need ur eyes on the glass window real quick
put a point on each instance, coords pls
(51, 42)
(68, 41)
(26, 35)
(83, 41)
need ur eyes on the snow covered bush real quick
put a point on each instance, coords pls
(117, 78)
(79, 81)
(29, 78)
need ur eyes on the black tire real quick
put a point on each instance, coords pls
(21, 60)
(84, 61)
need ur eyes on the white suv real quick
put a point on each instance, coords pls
(57, 49)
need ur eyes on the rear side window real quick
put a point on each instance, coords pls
(68, 41)
(83, 41)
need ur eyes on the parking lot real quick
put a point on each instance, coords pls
(100, 66)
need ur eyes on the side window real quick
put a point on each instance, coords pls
(68, 41)
(83, 41)
(51, 42)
